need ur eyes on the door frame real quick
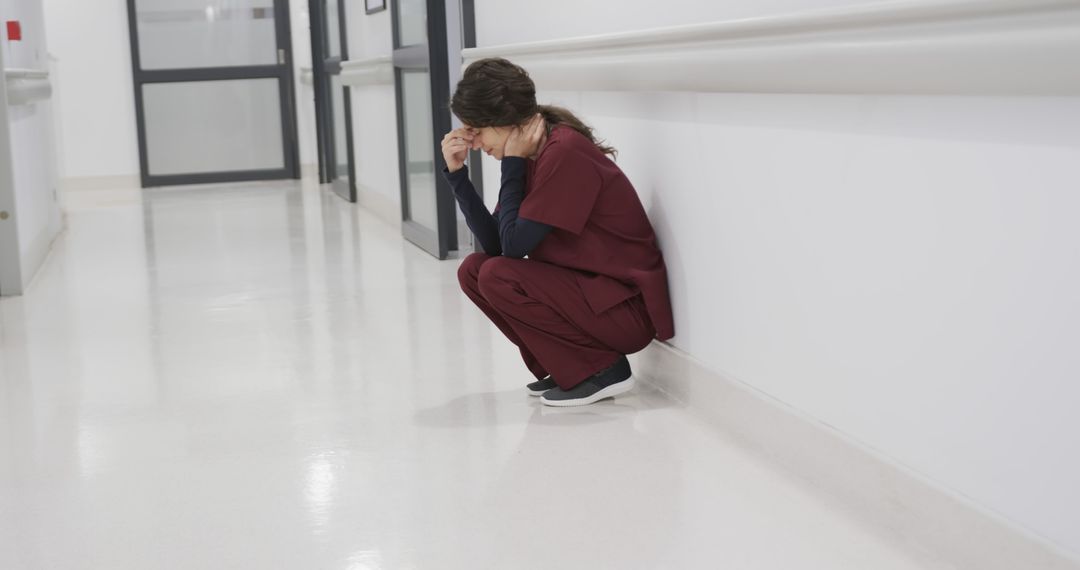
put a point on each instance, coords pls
(282, 71)
(468, 40)
(324, 68)
(432, 58)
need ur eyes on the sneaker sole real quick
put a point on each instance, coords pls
(609, 392)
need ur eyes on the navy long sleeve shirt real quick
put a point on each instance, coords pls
(503, 233)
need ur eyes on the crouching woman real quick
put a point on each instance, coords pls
(593, 288)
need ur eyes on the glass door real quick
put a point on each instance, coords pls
(422, 85)
(333, 106)
(214, 97)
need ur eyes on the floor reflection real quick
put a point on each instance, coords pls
(264, 376)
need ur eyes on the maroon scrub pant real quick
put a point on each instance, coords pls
(540, 307)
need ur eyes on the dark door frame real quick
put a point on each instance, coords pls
(468, 40)
(323, 69)
(282, 71)
(318, 47)
(432, 58)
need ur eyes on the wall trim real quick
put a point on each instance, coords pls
(953, 47)
(38, 251)
(80, 183)
(385, 208)
(27, 86)
(370, 71)
(913, 511)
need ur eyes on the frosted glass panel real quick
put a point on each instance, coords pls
(419, 146)
(205, 33)
(333, 29)
(412, 24)
(213, 126)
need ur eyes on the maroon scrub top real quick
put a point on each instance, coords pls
(599, 227)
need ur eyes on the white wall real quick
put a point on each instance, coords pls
(904, 269)
(94, 96)
(374, 115)
(38, 208)
(33, 172)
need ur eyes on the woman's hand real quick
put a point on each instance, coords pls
(456, 146)
(525, 141)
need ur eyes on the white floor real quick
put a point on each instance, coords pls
(262, 376)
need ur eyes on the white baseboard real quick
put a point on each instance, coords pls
(37, 253)
(913, 511)
(384, 207)
(123, 182)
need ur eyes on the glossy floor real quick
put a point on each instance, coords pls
(262, 376)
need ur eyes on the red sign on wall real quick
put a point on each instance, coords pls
(14, 31)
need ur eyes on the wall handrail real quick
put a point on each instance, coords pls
(984, 47)
(370, 71)
(17, 73)
(27, 86)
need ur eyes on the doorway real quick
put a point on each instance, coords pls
(214, 97)
(333, 105)
(422, 87)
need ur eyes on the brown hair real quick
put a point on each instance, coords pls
(496, 93)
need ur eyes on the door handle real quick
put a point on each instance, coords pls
(281, 57)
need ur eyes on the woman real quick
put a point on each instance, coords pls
(594, 286)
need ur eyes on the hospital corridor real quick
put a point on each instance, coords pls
(338, 284)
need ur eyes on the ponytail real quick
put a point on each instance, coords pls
(560, 116)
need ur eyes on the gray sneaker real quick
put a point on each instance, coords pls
(609, 382)
(540, 386)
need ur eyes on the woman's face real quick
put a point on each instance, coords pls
(491, 140)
